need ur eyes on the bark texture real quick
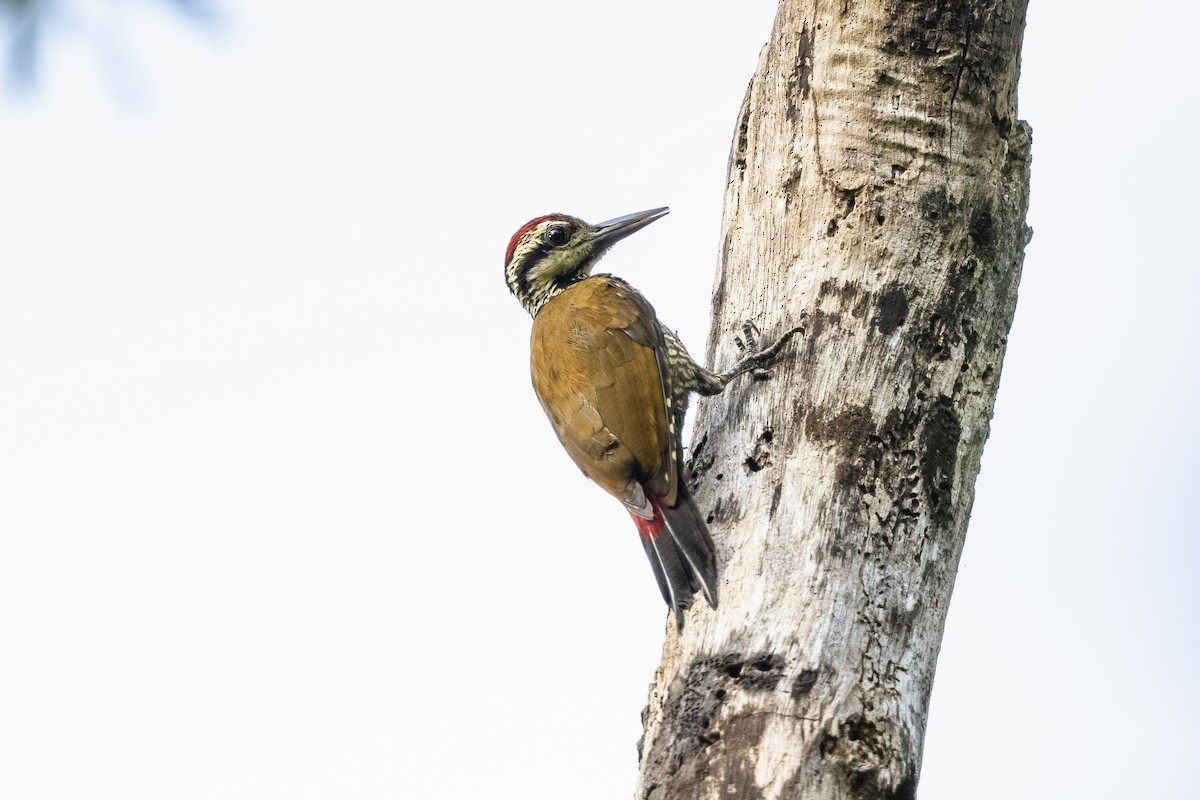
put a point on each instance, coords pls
(877, 193)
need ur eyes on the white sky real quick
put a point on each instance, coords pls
(281, 518)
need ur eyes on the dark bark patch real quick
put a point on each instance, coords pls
(936, 207)
(757, 673)
(849, 199)
(946, 320)
(727, 511)
(1002, 123)
(793, 184)
(860, 308)
(906, 790)
(804, 61)
(932, 34)
(804, 682)
(960, 295)
(800, 80)
(951, 40)
(893, 310)
(896, 427)
(698, 738)
(679, 755)
(970, 342)
(858, 754)
(939, 455)
(981, 228)
(819, 322)
(699, 463)
(846, 428)
(843, 293)
(961, 291)
(859, 785)
(739, 772)
(921, 28)
(762, 673)
(760, 457)
(852, 431)
(776, 496)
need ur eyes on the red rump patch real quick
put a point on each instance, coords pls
(650, 528)
(528, 226)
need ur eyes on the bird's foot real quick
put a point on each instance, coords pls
(755, 360)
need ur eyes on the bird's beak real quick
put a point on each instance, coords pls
(606, 234)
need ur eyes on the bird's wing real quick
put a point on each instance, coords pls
(597, 360)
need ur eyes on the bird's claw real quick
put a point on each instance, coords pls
(749, 350)
(754, 360)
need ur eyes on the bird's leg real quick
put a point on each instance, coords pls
(753, 360)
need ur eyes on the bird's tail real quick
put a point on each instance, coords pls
(681, 553)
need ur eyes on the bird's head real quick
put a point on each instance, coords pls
(550, 253)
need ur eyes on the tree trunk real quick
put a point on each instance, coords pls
(878, 185)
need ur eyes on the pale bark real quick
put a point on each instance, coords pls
(878, 186)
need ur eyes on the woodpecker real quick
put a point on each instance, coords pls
(615, 383)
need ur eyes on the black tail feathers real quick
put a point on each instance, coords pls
(681, 555)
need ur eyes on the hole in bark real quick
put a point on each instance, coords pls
(831, 229)
(733, 670)
(752, 464)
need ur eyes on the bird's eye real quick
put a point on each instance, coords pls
(555, 236)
